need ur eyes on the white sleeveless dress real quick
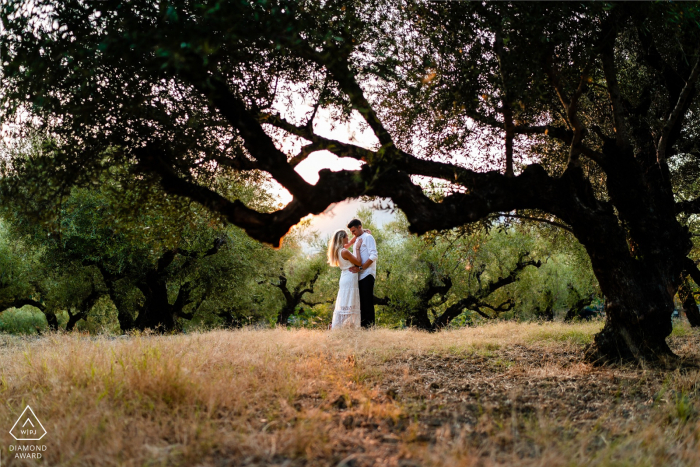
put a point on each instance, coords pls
(347, 304)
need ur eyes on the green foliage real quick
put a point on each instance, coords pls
(104, 243)
(102, 318)
(19, 268)
(470, 257)
(682, 409)
(26, 320)
(239, 285)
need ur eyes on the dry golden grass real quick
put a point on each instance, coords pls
(500, 394)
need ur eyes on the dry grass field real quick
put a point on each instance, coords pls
(500, 394)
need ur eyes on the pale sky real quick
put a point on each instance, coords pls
(337, 215)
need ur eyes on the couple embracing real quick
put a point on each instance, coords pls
(354, 306)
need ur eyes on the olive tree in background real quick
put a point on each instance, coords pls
(489, 271)
(163, 265)
(20, 274)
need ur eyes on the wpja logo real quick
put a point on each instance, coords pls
(28, 428)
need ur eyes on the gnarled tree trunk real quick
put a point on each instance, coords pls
(157, 313)
(637, 257)
(686, 295)
(688, 304)
(84, 310)
(294, 297)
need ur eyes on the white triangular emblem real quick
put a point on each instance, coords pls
(21, 432)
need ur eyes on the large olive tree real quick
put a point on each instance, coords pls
(582, 112)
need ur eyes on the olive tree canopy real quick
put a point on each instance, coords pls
(585, 114)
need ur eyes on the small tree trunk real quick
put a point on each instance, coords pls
(294, 297)
(576, 311)
(51, 320)
(285, 313)
(419, 318)
(692, 313)
(85, 308)
(546, 314)
(156, 313)
(126, 320)
(230, 318)
(73, 320)
(689, 305)
(124, 316)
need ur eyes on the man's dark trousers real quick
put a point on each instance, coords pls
(367, 301)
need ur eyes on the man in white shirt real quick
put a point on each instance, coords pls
(368, 272)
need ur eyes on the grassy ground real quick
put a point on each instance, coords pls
(501, 394)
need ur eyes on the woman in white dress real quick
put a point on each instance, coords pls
(347, 304)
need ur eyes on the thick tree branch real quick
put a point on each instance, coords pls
(692, 270)
(537, 219)
(688, 207)
(507, 111)
(607, 56)
(486, 193)
(268, 227)
(258, 143)
(318, 143)
(20, 302)
(410, 163)
(675, 117)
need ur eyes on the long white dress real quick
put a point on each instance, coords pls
(347, 304)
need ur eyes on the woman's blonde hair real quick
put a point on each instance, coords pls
(335, 245)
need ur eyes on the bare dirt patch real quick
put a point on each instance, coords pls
(507, 404)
